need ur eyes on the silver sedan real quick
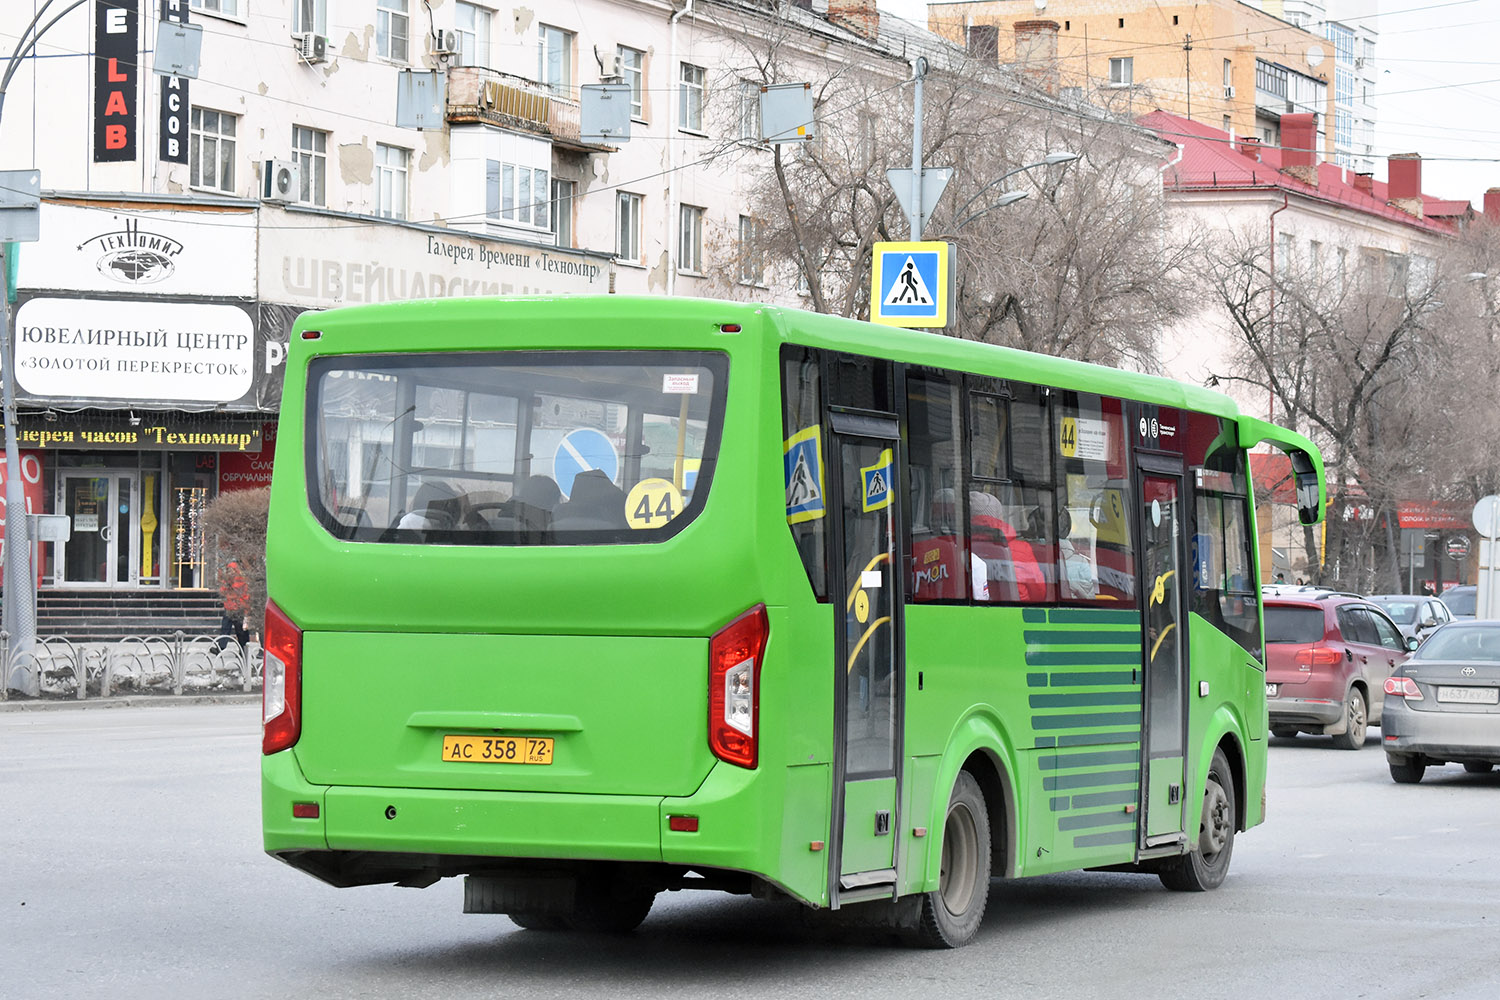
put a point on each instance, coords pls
(1443, 704)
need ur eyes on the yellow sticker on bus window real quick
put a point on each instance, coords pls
(1067, 437)
(651, 503)
(803, 468)
(878, 484)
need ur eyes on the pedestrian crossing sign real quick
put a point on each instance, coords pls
(877, 483)
(803, 458)
(909, 284)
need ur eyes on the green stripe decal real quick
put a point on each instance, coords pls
(1085, 698)
(1087, 821)
(1083, 657)
(1097, 739)
(1085, 616)
(1053, 762)
(1086, 720)
(1060, 803)
(1120, 797)
(1106, 839)
(1089, 637)
(1097, 678)
(1034, 615)
(1036, 680)
(1089, 779)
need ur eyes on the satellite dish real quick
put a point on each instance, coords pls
(1314, 55)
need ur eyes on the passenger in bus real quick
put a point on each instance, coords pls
(935, 557)
(1010, 562)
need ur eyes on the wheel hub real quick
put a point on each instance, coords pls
(1214, 830)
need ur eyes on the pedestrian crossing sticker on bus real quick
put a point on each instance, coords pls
(804, 475)
(877, 480)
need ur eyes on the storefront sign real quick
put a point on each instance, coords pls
(152, 252)
(174, 97)
(335, 265)
(116, 41)
(149, 432)
(138, 349)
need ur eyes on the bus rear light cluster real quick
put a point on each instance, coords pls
(281, 716)
(1319, 656)
(1403, 687)
(735, 654)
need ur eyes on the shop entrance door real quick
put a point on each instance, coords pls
(104, 548)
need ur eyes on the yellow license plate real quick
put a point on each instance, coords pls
(498, 749)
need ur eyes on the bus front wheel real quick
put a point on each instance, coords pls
(1205, 866)
(951, 913)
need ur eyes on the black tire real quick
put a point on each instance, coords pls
(1205, 866)
(1478, 767)
(610, 910)
(539, 921)
(1405, 770)
(1283, 733)
(952, 912)
(1357, 718)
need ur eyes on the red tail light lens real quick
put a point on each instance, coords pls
(281, 714)
(1319, 656)
(734, 660)
(1403, 687)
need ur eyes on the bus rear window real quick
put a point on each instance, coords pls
(554, 448)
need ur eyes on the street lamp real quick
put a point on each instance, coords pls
(1007, 197)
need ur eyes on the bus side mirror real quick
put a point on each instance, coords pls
(1307, 497)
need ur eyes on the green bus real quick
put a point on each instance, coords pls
(944, 611)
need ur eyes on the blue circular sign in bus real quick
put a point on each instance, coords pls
(580, 451)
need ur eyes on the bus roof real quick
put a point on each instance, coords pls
(792, 326)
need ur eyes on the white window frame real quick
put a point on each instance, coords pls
(628, 207)
(393, 29)
(199, 137)
(228, 8)
(555, 73)
(690, 239)
(633, 72)
(310, 15)
(564, 194)
(691, 81)
(473, 38)
(752, 264)
(392, 164)
(1122, 71)
(518, 194)
(750, 130)
(310, 151)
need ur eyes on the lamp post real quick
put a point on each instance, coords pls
(1007, 197)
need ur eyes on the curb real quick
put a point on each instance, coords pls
(129, 701)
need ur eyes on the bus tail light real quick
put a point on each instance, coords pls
(1403, 687)
(1319, 656)
(281, 717)
(734, 660)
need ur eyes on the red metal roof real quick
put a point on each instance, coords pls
(1210, 162)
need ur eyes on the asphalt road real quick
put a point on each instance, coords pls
(130, 866)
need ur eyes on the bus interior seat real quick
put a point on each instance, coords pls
(439, 503)
(528, 510)
(594, 503)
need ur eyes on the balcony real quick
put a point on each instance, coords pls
(489, 97)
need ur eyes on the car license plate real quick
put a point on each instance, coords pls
(1472, 696)
(498, 749)
(1271, 690)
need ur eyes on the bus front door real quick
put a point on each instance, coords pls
(1164, 591)
(868, 661)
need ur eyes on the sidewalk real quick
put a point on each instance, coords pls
(21, 703)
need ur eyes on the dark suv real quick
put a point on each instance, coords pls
(1327, 658)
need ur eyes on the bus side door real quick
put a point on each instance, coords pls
(1163, 590)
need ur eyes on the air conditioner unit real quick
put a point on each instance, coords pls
(445, 43)
(280, 180)
(1228, 92)
(311, 47)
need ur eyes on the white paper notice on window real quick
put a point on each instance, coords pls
(1093, 439)
(682, 385)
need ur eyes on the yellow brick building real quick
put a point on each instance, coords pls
(1222, 62)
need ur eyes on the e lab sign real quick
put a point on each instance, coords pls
(116, 75)
(910, 284)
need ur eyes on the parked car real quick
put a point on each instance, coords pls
(1327, 660)
(1461, 600)
(1416, 616)
(1443, 704)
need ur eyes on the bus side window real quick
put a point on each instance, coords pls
(1096, 553)
(938, 562)
(1012, 498)
(801, 404)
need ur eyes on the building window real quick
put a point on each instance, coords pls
(392, 29)
(750, 111)
(1228, 75)
(518, 193)
(1271, 79)
(752, 260)
(632, 72)
(555, 68)
(1122, 72)
(690, 239)
(473, 26)
(563, 193)
(310, 15)
(390, 181)
(231, 7)
(690, 97)
(310, 151)
(628, 226)
(211, 150)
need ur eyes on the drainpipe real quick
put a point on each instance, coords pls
(1270, 392)
(676, 91)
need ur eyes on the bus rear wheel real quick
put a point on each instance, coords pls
(1205, 866)
(952, 912)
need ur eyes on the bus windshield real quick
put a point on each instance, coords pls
(513, 449)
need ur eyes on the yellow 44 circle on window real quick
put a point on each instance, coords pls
(651, 503)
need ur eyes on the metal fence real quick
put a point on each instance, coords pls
(57, 667)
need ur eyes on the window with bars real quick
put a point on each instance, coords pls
(211, 146)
